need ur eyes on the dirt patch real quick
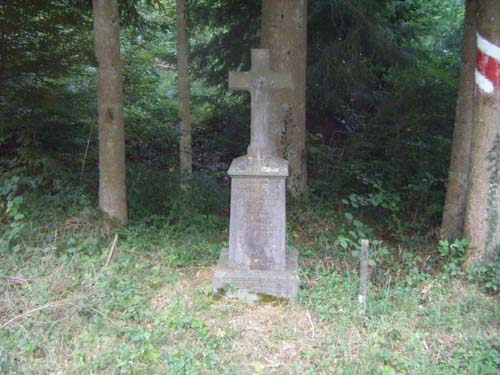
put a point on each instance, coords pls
(272, 337)
(190, 280)
(266, 336)
(202, 276)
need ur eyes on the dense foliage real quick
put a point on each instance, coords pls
(381, 92)
(381, 87)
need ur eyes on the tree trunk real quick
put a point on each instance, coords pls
(284, 32)
(112, 174)
(456, 194)
(185, 152)
(482, 221)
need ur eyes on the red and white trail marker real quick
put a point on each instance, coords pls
(487, 65)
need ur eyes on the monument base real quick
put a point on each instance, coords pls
(249, 283)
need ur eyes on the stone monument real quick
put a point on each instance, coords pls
(257, 261)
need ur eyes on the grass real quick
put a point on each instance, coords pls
(152, 310)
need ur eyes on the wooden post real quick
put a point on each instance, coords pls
(363, 274)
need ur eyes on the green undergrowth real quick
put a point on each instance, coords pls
(66, 308)
(438, 326)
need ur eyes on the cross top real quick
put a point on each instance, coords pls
(260, 81)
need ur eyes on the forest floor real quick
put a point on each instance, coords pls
(152, 311)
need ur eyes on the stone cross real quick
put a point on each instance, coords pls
(260, 81)
(257, 260)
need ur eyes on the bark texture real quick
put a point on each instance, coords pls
(185, 151)
(482, 224)
(454, 209)
(284, 33)
(112, 174)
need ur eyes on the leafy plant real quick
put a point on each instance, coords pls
(487, 274)
(453, 255)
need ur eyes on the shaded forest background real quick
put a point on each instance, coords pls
(381, 92)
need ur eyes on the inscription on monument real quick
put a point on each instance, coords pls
(257, 226)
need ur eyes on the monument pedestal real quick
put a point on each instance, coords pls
(257, 261)
(245, 283)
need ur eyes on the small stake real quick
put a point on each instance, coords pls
(312, 325)
(363, 274)
(85, 154)
(111, 252)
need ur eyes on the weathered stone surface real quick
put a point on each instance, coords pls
(259, 165)
(257, 261)
(246, 283)
(257, 223)
(261, 81)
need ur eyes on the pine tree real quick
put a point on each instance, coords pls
(482, 217)
(284, 32)
(112, 174)
(456, 193)
(185, 151)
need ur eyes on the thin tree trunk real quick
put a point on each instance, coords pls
(456, 194)
(284, 32)
(112, 174)
(185, 151)
(482, 217)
